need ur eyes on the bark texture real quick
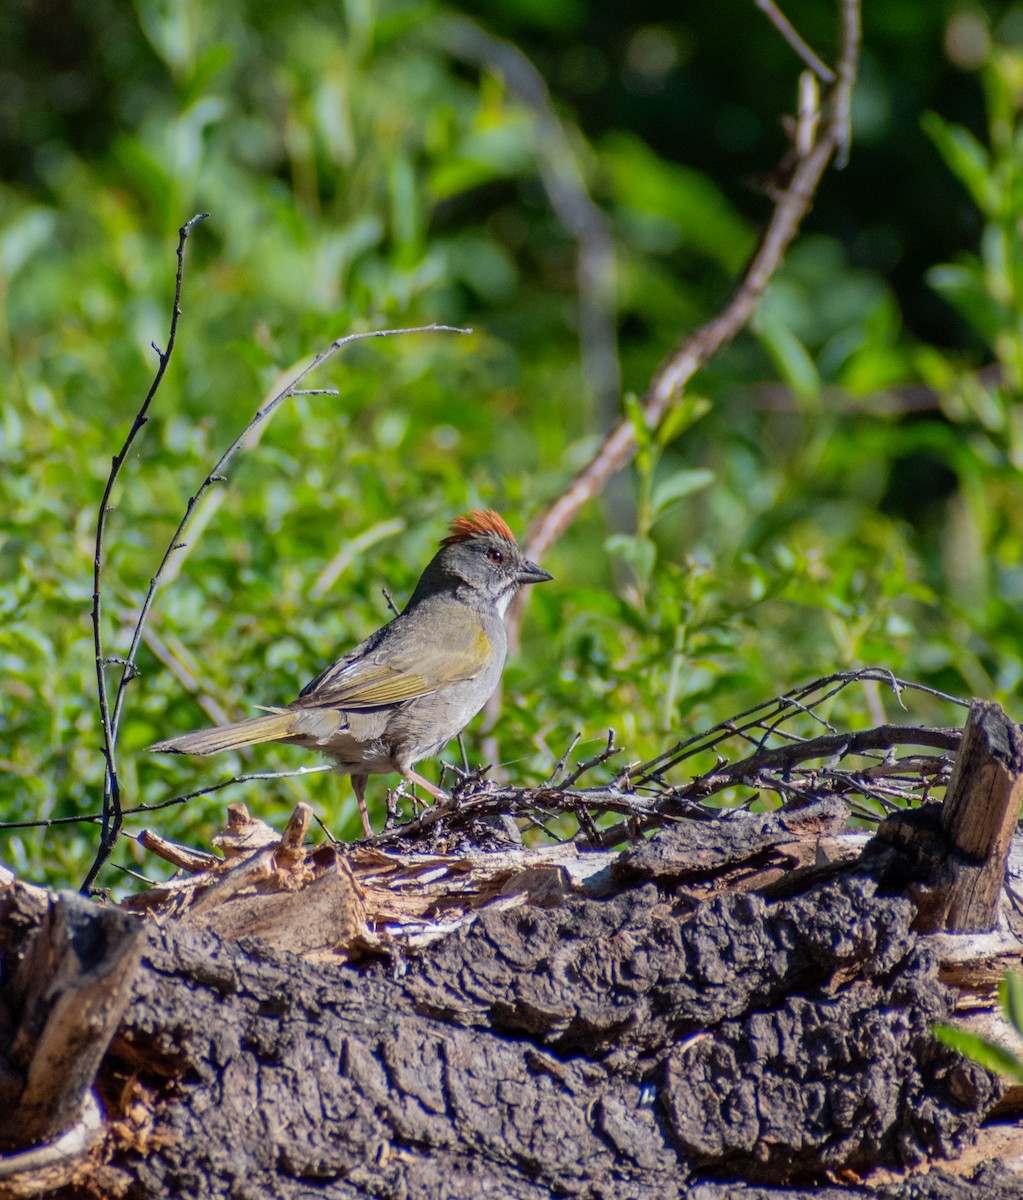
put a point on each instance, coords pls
(734, 1009)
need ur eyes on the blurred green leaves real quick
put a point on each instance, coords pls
(834, 491)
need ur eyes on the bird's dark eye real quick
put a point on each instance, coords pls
(495, 555)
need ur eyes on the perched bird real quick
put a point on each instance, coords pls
(409, 688)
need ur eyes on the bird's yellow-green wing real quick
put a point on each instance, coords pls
(401, 667)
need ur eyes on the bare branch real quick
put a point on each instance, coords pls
(609, 751)
(566, 189)
(177, 540)
(559, 766)
(793, 771)
(784, 27)
(766, 714)
(111, 784)
(95, 818)
(693, 353)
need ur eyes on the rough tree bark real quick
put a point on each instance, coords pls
(739, 1008)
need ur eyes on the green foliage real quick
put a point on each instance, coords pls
(358, 177)
(989, 1054)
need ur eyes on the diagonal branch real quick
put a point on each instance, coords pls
(695, 351)
(216, 475)
(562, 178)
(784, 26)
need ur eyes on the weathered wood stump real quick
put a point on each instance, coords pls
(725, 1006)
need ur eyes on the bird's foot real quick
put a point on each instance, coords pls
(436, 792)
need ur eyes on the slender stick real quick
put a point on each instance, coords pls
(694, 351)
(95, 818)
(781, 22)
(111, 784)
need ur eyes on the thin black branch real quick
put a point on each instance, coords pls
(519, 802)
(111, 821)
(771, 770)
(96, 818)
(766, 771)
(799, 770)
(559, 766)
(609, 751)
(760, 715)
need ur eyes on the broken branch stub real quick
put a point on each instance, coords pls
(68, 995)
(979, 815)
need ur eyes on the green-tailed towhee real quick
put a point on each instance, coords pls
(409, 688)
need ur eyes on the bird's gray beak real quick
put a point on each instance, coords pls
(529, 572)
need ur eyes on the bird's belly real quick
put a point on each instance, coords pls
(424, 727)
(357, 742)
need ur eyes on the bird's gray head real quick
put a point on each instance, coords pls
(480, 561)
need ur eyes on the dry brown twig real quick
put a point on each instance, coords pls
(668, 384)
(860, 766)
(111, 819)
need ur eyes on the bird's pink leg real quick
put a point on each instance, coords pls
(359, 787)
(436, 792)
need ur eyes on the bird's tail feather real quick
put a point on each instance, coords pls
(229, 737)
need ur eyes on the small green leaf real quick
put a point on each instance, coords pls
(789, 355)
(681, 483)
(639, 552)
(695, 210)
(681, 416)
(967, 159)
(1011, 994)
(963, 285)
(406, 216)
(980, 1050)
(637, 417)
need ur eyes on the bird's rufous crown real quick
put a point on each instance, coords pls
(477, 522)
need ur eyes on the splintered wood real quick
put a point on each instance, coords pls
(341, 902)
(979, 815)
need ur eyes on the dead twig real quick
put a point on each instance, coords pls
(112, 816)
(609, 751)
(761, 715)
(95, 818)
(798, 770)
(693, 353)
(559, 766)
(785, 28)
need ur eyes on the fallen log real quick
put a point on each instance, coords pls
(727, 1006)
